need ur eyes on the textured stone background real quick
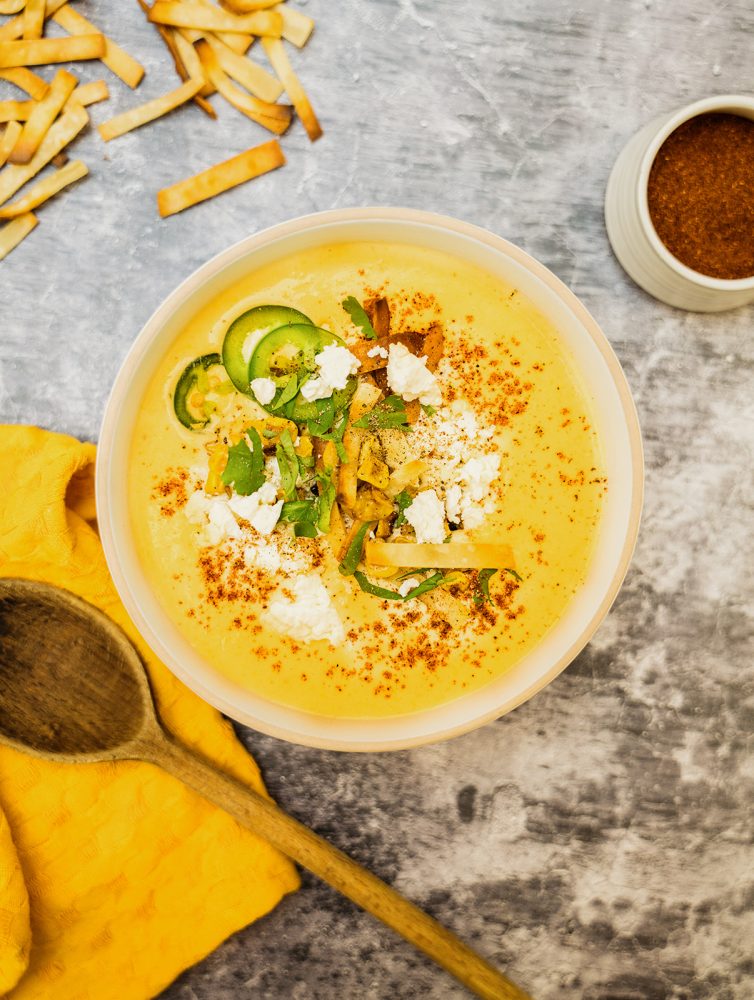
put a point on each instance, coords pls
(597, 842)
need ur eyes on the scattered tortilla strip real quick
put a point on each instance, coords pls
(281, 64)
(34, 18)
(13, 232)
(249, 74)
(192, 15)
(40, 51)
(136, 117)
(189, 58)
(239, 43)
(297, 27)
(90, 93)
(10, 137)
(246, 6)
(11, 6)
(275, 117)
(464, 555)
(115, 58)
(43, 115)
(44, 189)
(23, 78)
(16, 111)
(223, 176)
(15, 27)
(66, 128)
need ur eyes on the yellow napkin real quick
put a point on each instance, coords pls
(113, 877)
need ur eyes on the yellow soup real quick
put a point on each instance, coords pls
(511, 403)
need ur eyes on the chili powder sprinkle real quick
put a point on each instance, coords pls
(701, 195)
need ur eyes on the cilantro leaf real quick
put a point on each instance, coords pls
(389, 412)
(244, 470)
(322, 423)
(431, 583)
(403, 500)
(483, 579)
(289, 390)
(352, 558)
(288, 464)
(305, 530)
(336, 436)
(426, 585)
(325, 500)
(514, 574)
(355, 310)
(299, 511)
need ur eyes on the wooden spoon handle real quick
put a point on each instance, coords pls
(332, 866)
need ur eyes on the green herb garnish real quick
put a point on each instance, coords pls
(325, 418)
(514, 574)
(244, 470)
(483, 579)
(392, 595)
(305, 530)
(429, 410)
(352, 558)
(355, 310)
(389, 412)
(299, 511)
(325, 500)
(289, 390)
(403, 500)
(336, 436)
(288, 464)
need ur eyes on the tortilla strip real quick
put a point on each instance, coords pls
(13, 232)
(189, 58)
(281, 64)
(297, 26)
(464, 555)
(275, 117)
(40, 51)
(115, 58)
(221, 177)
(10, 137)
(43, 115)
(15, 27)
(90, 93)
(239, 43)
(16, 111)
(247, 6)
(193, 15)
(34, 18)
(249, 74)
(11, 6)
(144, 113)
(23, 78)
(66, 128)
(44, 189)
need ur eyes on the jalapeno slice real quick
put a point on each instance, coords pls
(245, 332)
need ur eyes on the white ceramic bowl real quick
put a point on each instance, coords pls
(634, 238)
(615, 416)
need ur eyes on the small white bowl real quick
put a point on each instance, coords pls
(633, 236)
(614, 414)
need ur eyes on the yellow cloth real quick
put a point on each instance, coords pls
(130, 876)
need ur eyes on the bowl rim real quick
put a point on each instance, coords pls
(297, 226)
(741, 104)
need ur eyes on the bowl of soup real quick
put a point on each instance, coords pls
(369, 479)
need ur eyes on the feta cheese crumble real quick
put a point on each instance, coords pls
(335, 364)
(426, 515)
(377, 352)
(264, 390)
(261, 509)
(410, 378)
(407, 585)
(217, 515)
(309, 616)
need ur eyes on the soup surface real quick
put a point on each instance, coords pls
(289, 545)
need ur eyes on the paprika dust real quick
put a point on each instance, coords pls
(701, 195)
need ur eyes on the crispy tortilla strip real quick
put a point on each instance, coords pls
(365, 397)
(193, 15)
(66, 128)
(282, 66)
(23, 78)
(275, 117)
(44, 189)
(15, 27)
(10, 137)
(136, 117)
(221, 177)
(464, 555)
(297, 27)
(43, 115)
(249, 74)
(434, 346)
(239, 43)
(13, 232)
(413, 341)
(115, 58)
(379, 316)
(40, 51)
(16, 111)
(190, 59)
(34, 18)
(11, 6)
(90, 93)
(247, 6)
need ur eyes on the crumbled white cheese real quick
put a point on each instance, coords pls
(453, 497)
(214, 516)
(264, 390)
(335, 364)
(263, 556)
(407, 585)
(377, 352)
(273, 472)
(309, 616)
(426, 515)
(478, 474)
(410, 378)
(260, 509)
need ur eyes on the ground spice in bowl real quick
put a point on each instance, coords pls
(701, 195)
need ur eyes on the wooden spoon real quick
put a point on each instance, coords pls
(73, 688)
